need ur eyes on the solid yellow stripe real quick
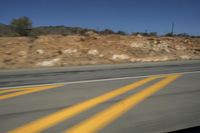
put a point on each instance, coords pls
(53, 119)
(105, 117)
(24, 91)
(14, 90)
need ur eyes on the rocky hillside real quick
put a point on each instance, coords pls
(58, 50)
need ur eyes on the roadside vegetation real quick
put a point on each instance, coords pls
(22, 26)
(25, 46)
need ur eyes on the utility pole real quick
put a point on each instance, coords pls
(172, 30)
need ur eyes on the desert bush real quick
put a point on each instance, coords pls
(107, 32)
(5, 30)
(152, 34)
(183, 35)
(121, 33)
(21, 25)
(168, 34)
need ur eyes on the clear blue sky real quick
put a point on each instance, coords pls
(126, 15)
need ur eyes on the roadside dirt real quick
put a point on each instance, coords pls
(58, 50)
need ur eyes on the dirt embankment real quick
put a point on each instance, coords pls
(57, 50)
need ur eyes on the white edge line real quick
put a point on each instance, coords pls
(96, 80)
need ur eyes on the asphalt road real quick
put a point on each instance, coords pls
(143, 97)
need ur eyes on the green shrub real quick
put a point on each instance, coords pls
(21, 25)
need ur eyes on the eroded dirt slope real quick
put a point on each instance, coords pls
(57, 50)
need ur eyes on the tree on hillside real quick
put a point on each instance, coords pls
(21, 25)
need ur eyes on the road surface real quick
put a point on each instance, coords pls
(142, 97)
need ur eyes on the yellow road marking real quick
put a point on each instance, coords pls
(24, 91)
(100, 120)
(64, 114)
(15, 90)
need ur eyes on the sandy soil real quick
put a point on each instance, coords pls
(58, 50)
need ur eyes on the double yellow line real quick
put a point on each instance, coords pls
(10, 93)
(100, 120)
